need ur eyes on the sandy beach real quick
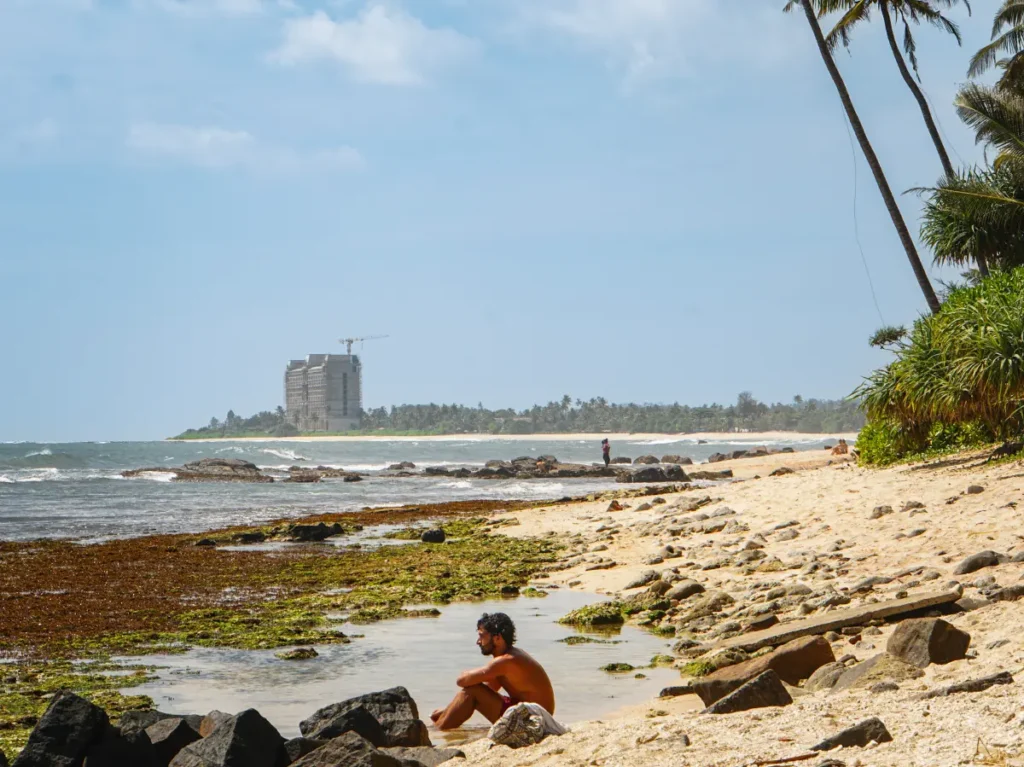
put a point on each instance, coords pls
(743, 437)
(828, 503)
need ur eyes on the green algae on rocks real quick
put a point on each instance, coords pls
(600, 614)
(26, 689)
(577, 639)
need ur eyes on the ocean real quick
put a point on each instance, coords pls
(75, 490)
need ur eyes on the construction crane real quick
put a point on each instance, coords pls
(349, 341)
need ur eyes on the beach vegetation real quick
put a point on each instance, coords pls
(957, 380)
(567, 416)
(600, 614)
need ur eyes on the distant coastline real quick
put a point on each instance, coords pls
(759, 436)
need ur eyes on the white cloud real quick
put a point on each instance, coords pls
(647, 39)
(213, 147)
(383, 44)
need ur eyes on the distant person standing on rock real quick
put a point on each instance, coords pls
(606, 451)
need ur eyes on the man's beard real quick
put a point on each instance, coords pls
(487, 649)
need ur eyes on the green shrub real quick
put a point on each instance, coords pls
(882, 443)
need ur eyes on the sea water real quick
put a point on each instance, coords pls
(76, 490)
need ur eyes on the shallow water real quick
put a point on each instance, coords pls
(425, 655)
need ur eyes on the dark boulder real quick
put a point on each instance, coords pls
(245, 739)
(352, 478)
(670, 473)
(299, 747)
(497, 472)
(857, 736)
(402, 466)
(623, 459)
(121, 750)
(718, 458)
(433, 536)
(3, 759)
(355, 719)
(313, 533)
(169, 736)
(923, 641)
(139, 720)
(64, 733)
(349, 750)
(394, 708)
(646, 460)
(762, 691)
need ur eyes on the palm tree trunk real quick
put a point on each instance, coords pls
(872, 159)
(926, 113)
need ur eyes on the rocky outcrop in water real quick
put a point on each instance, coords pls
(208, 470)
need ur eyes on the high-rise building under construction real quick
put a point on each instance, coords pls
(324, 392)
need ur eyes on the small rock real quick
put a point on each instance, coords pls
(298, 653)
(975, 490)
(615, 506)
(880, 511)
(646, 577)
(761, 692)
(911, 505)
(684, 590)
(433, 536)
(789, 534)
(825, 677)
(782, 471)
(881, 687)
(857, 736)
(977, 562)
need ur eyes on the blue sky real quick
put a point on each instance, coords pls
(646, 200)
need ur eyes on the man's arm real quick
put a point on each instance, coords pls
(487, 675)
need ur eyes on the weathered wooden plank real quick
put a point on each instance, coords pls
(835, 620)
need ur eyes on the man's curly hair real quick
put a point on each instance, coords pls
(498, 624)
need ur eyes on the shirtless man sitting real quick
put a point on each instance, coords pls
(511, 669)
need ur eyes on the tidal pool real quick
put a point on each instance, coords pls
(422, 654)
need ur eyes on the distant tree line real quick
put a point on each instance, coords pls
(569, 416)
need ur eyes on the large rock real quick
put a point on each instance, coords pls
(923, 641)
(672, 473)
(679, 459)
(977, 561)
(393, 708)
(349, 750)
(837, 619)
(761, 692)
(423, 756)
(64, 733)
(132, 721)
(793, 662)
(246, 739)
(122, 750)
(880, 668)
(353, 719)
(433, 536)
(314, 533)
(3, 759)
(857, 736)
(647, 460)
(169, 736)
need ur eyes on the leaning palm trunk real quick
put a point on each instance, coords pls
(872, 159)
(926, 113)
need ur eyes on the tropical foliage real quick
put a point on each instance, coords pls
(1007, 39)
(567, 416)
(963, 367)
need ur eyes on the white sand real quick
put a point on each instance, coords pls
(830, 503)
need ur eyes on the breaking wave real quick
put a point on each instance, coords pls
(288, 455)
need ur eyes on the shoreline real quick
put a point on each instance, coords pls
(716, 437)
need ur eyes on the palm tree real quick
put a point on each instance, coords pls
(870, 156)
(905, 11)
(1007, 37)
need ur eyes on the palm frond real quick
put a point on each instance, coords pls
(997, 117)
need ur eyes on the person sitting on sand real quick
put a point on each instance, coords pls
(513, 670)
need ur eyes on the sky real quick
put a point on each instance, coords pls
(645, 200)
